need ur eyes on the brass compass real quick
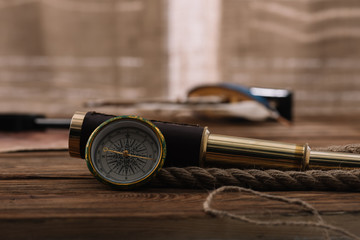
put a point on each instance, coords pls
(125, 151)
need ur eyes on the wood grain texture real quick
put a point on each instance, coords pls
(48, 195)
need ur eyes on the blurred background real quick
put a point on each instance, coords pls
(57, 55)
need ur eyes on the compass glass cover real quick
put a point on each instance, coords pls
(125, 151)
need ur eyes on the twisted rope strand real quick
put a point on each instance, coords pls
(318, 223)
(265, 180)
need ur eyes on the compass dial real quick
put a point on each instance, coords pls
(125, 151)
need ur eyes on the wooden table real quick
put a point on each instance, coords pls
(48, 195)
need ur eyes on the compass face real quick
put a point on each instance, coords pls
(125, 151)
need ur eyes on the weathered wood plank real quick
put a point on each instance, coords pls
(54, 185)
(139, 228)
(84, 208)
(53, 139)
(50, 195)
(67, 198)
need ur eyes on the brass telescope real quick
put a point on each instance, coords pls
(245, 152)
(192, 145)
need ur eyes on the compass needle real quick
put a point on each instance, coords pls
(147, 158)
(125, 154)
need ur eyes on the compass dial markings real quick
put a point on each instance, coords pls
(127, 153)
